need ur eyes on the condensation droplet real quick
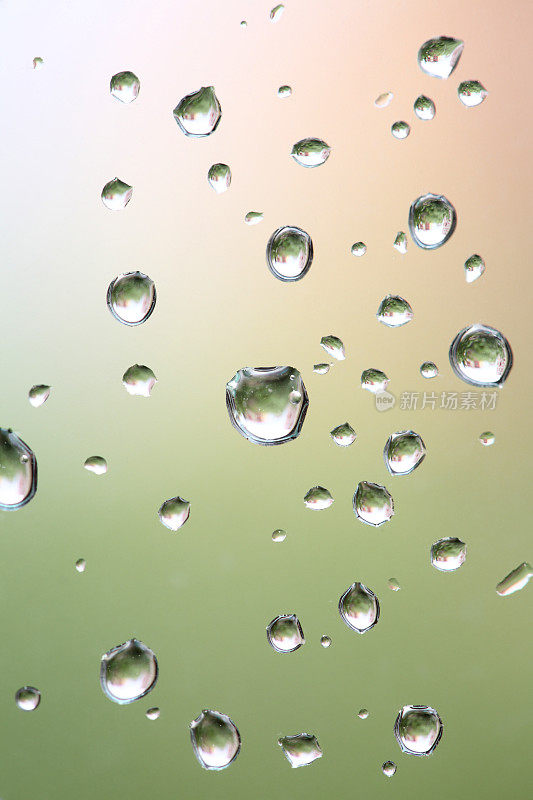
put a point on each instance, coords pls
(125, 86)
(219, 177)
(448, 554)
(38, 62)
(389, 768)
(424, 107)
(285, 634)
(432, 220)
(198, 113)
(96, 464)
(215, 739)
(471, 93)
(474, 268)
(383, 100)
(174, 513)
(279, 535)
(152, 713)
(80, 565)
(295, 398)
(481, 356)
(400, 129)
(358, 249)
(131, 297)
(128, 672)
(394, 586)
(301, 749)
(243, 23)
(333, 347)
(39, 394)
(418, 730)
(404, 451)
(18, 471)
(116, 194)
(429, 370)
(259, 406)
(516, 580)
(139, 380)
(321, 369)
(343, 435)
(253, 217)
(374, 380)
(276, 12)
(318, 498)
(325, 641)
(372, 503)
(289, 253)
(310, 152)
(439, 57)
(487, 438)
(284, 91)
(28, 698)
(363, 713)
(394, 311)
(400, 243)
(359, 608)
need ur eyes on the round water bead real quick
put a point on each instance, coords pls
(18, 471)
(285, 634)
(383, 100)
(139, 380)
(318, 498)
(125, 86)
(96, 464)
(284, 91)
(481, 355)
(404, 451)
(418, 730)
(374, 380)
(325, 641)
(474, 268)
(432, 220)
(198, 113)
(400, 243)
(28, 698)
(215, 739)
(128, 672)
(131, 297)
(116, 194)
(439, 57)
(448, 554)
(424, 107)
(279, 535)
(343, 435)
(219, 177)
(394, 311)
(516, 580)
(289, 253)
(301, 749)
(372, 503)
(400, 129)
(487, 438)
(359, 608)
(174, 513)
(358, 249)
(80, 565)
(310, 152)
(39, 394)
(333, 347)
(471, 93)
(389, 768)
(363, 713)
(429, 370)
(152, 713)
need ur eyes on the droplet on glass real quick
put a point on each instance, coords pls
(28, 698)
(389, 768)
(131, 297)
(310, 152)
(125, 86)
(318, 498)
(139, 380)
(325, 641)
(215, 739)
(358, 249)
(116, 194)
(343, 435)
(516, 580)
(481, 355)
(285, 634)
(96, 464)
(321, 369)
(259, 404)
(276, 12)
(432, 220)
(301, 749)
(383, 100)
(284, 91)
(372, 503)
(198, 113)
(474, 268)
(400, 129)
(394, 311)
(363, 713)
(439, 57)
(359, 608)
(243, 23)
(289, 253)
(471, 93)
(279, 535)
(424, 107)
(38, 62)
(400, 243)
(404, 451)
(152, 713)
(418, 730)
(80, 565)
(374, 380)
(394, 586)
(487, 438)
(128, 672)
(18, 471)
(174, 513)
(333, 347)
(448, 554)
(39, 394)
(219, 177)
(429, 370)
(253, 217)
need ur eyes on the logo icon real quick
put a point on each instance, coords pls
(385, 401)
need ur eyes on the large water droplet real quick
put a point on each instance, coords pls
(372, 503)
(404, 452)
(424, 107)
(394, 311)
(389, 768)
(481, 355)
(279, 535)
(418, 730)
(198, 113)
(139, 380)
(128, 672)
(219, 177)
(487, 438)
(80, 565)
(289, 253)
(284, 91)
(96, 464)
(276, 12)
(125, 86)
(285, 633)
(471, 93)
(432, 220)
(400, 129)
(400, 243)
(174, 513)
(28, 698)
(429, 370)
(116, 194)
(253, 217)
(474, 268)
(374, 380)
(310, 152)
(39, 394)
(321, 369)
(318, 498)
(359, 608)
(325, 641)
(516, 580)
(358, 249)
(383, 100)
(259, 404)
(131, 297)
(215, 739)
(343, 435)
(333, 347)
(152, 713)
(448, 554)
(301, 749)
(18, 471)
(439, 57)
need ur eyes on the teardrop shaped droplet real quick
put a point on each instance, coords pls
(125, 86)
(389, 768)
(321, 369)
(18, 471)
(28, 698)
(116, 194)
(429, 370)
(404, 451)
(394, 311)
(400, 129)
(139, 380)
(333, 347)
(448, 554)
(439, 57)
(276, 12)
(359, 608)
(253, 217)
(516, 580)
(284, 91)
(418, 730)
(285, 634)
(131, 297)
(174, 513)
(481, 355)
(215, 740)
(432, 220)
(301, 749)
(474, 268)
(198, 113)
(289, 253)
(310, 152)
(279, 535)
(400, 243)
(96, 464)
(325, 641)
(383, 100)
(128, 672)
(152, 713)
(487, 438)
(343, 435)
(39, 394)
(372, 503)
(374, 380)
(318, 498)
(219, 177)
(424, 107)
(358, 249)
(80, 565)
(471, 93)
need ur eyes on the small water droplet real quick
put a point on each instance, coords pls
(424, 107)
(279, 535)
(321, 369)
(359, 608)
(131, 297)
(318, 498)
(471, 93)
(125, 86)
(139, 380)
(439, 57)
(198, 113)
(400, 129)
(418, 730)
(394, 311)
(374, 380)
(310, 152)
(174, 513)
(253, 217)
(215, 739)
(116, 194)
(244, 24)
(285, 634)
(394, 586)
(432, 220)
(301, 749)
(363, 713)
(516, 580)
(448, 554)
(358, 249)
(343, 435)
(153, 713)
(389, 768)
(289, 253)
(333, 347)
(28, 698)
(487, 438)
(39, 394)
(372, 503)
(38, 62)
(219, 177)
(325, 641)
(404, 451)
(295, 398)
(284, 91)
(429, 370)
(383, 100)
(474, 268)
(128, 672)
(96, 465)
(481, 355)
(400, 243)
(18, 471)
(259, 406)
(276, 12)
(80, 565)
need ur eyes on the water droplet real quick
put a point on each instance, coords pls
(418, 730)
(310, 152)
(359, 608)
(38, 62)
(18, 471)
(279, 535)
(38, 394)
(400, 129)
(219, 177)
(400, 243)
(96, 464)
(301, 749)
(243, 23)
(28, 698)
(284, 91)
(358, 249)
(289, 253)
(198, 113)
(116, 194)
(276, 12)
(374, 380)
(259, 406)
(394, 586)
(80, 564)
(174, 513)
(383, 100)
(318, 498)
(471, 93)
(152, 713)
(424, 107)
(439, 57)
(389, 768)
(363, 713)
(333, 347)
(343, 435)
(481, 355)
(295, 398)
(372, 503)
(325, 641)
(394, 311)
(139, 380)
(516, 580)
(429, 370)
(131, 297)
(215, 739)
(487, 438)
(432, 220)
(125, 86)
(285, 633)
(404, 452)
(253, 217)
(128, 672)
(448, 554)
(474, 268)
(321, 369)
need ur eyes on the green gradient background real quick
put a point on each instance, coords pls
(202, 598)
